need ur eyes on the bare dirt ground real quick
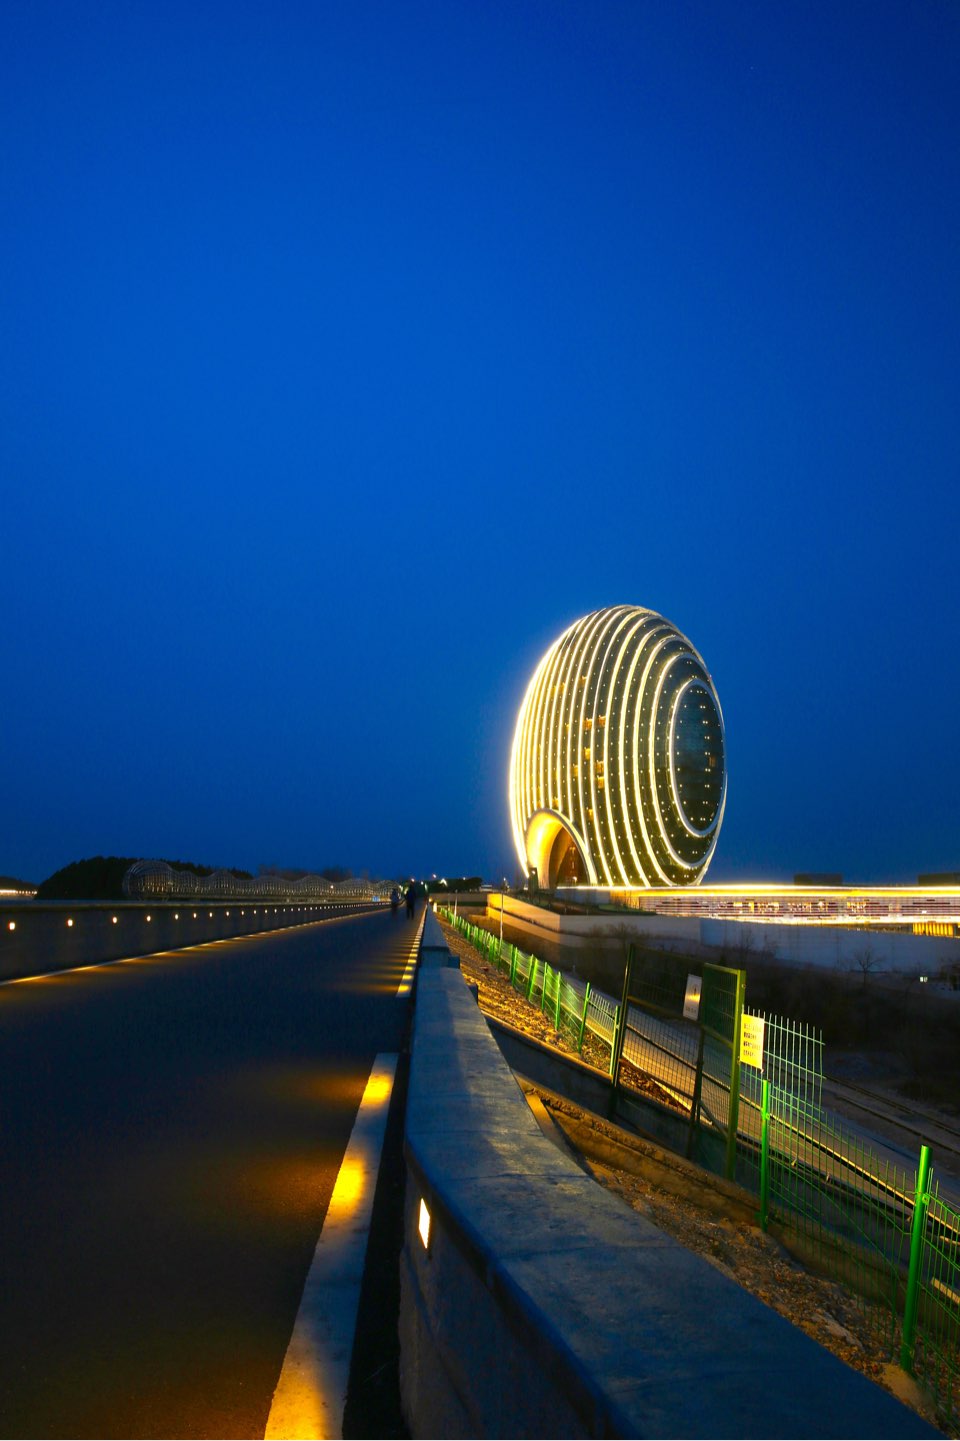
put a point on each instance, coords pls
(692, 1207)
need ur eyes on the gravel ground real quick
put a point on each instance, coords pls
(693, 1213)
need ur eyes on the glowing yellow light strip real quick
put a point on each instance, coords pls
(601, 620)
(772, 889)
(666, 636)
(553, 759)
(312, 1389)
(609, 704)
(565, 791)
(625, 647)
(406, 980)
(837, 906)
(517, 781)
(650, 633)
(533, 741)
(532, 774)
(587, 627)
(525, 760)
(536, 733)
(575, 806)
(599, 758)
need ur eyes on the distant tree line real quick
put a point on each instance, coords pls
(100, 878)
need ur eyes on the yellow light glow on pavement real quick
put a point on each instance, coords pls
(312, 1389)
(406, 980)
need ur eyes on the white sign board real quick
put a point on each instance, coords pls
(691, 1001)
(751, 1041)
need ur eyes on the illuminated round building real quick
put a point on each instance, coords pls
(617, 774)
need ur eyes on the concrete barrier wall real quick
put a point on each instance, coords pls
(591, 932)
(540, 1305)
(39, 939)
(833, 947)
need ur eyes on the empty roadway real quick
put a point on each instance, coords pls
(170, 1133)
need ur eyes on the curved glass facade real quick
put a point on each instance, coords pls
(619, 746)
(697, 743)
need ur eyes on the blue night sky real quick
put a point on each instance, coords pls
(349, 352)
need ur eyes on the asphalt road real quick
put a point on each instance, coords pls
(170, 1133)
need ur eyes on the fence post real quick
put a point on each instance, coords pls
(543, 987)
(764, 1154)
(513, 965)
(695, 1100)
(619, 1026)
(583, 1019)
(556, 1026)
(733, 1119)
(920, 1204)
(531, 979)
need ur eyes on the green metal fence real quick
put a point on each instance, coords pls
(682, 1029)
(931, 1346)
(570, 1004)
(859, 1216)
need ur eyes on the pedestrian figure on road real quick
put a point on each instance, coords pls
(410, 900)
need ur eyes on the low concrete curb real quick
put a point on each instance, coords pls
(540, 1305)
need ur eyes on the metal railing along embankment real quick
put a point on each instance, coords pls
(859, 1210)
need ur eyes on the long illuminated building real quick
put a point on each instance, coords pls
(924, 910)
(617, 774)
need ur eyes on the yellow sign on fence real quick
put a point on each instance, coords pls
(751, 1041)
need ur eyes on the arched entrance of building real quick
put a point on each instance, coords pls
(557, 852)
